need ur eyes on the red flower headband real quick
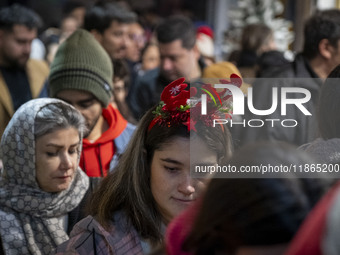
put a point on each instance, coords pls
(175, 105)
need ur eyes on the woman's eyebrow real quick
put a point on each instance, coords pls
(60, 146)
(170, 160)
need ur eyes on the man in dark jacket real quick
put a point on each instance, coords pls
(321, 53)
(179, 58)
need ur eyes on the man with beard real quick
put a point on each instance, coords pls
(109, 23)
(21, 78)
(81, 74)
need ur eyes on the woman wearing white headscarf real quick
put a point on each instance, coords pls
(41, 185)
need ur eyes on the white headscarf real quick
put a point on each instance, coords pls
(29, 216)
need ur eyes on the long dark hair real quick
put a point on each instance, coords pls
(127, 187)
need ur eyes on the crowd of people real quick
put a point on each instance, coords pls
(105, 119)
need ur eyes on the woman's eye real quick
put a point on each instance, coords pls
(51, 154)
(170, 169)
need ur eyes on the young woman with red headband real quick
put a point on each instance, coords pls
(152, 182)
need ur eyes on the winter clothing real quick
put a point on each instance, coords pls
(269, 60)
(319, 232)
(223, 70)
(325, 151)
(37, 72)
(147, 91)
(89, 237)
(247, 59)
(96, 158)
(82, 63)
(30, 218)
(296, 74)
(269, 216)
(205, 45)
(179, 229)
(330, 244)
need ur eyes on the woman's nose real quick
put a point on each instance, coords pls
(186, 185)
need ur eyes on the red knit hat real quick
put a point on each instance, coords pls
(204, 29)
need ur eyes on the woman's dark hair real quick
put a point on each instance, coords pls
(253, 212)
(70, 5)
(127, 188)
(254, 36)
(329, 105)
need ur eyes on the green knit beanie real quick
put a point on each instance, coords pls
(82, 63)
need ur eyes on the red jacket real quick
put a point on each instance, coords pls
(309, 237)
(179, 229)
(96, 156)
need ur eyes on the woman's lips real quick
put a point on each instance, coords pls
(64, 177)
(184, 200)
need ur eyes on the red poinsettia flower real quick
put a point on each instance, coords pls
(234, 80)
(154, 122)
(190, 123)
(174, 95)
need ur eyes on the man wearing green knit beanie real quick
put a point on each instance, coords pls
(81, 74)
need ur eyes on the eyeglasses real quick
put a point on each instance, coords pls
(139, 38)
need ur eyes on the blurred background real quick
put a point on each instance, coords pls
(225, 17)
